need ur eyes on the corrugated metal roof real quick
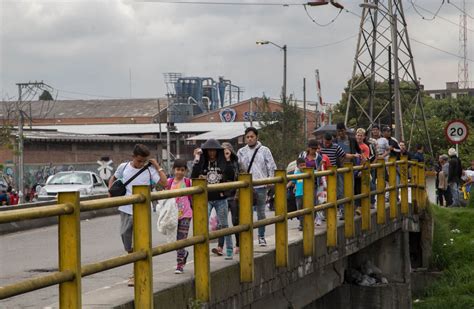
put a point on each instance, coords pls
(55, 136)
(88, 108)
(150, 128)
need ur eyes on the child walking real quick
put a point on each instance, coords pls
(298, 184)
(185, 212)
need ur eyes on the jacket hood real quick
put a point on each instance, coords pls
(211, 144)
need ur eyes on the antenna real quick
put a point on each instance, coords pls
(463, 69)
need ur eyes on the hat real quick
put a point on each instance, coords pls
(444, 157)
(312, 143)
(211, 144)
(387, 129)
(452, 152)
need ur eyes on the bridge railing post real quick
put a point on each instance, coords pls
(331, 216)
(422, 183)
(392, 183)
(246, 237)
(308, 219)
(365, 203)
(69, 233)
(281, 228)
(201, 251)
(414, 188)
(404, 183)
(349, 207)
(143, 269)
(381, 216)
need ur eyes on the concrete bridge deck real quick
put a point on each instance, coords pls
(301, 283)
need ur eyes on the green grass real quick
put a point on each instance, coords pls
(453, 253)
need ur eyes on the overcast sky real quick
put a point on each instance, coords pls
(88, 47)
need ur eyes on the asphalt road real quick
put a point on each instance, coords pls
(33, 253)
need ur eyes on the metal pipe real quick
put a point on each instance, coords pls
(35, 213)
(179, 244)
(111, 202)
(97, 267)
(35, 284)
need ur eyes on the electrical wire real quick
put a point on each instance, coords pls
(461, 10)
(441, 17)
(328, 44)
(439, 49)
(223, 3)
(319, 24)
(87, 94)
(421, 15)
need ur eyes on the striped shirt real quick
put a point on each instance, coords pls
(333, 152)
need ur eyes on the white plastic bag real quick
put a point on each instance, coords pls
(167, 222)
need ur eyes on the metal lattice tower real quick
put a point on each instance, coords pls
(170, 81)
(463, 69)
(383, 50)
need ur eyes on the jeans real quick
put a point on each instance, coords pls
(299, 205)
(454, 188)
(222, 212)
(260, 208)
(234, 211)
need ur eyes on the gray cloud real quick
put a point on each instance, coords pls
(89, 46)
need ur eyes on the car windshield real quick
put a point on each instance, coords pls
(70, 178)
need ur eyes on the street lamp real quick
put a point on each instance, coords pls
(283, 48)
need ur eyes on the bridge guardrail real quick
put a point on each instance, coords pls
(69, 207)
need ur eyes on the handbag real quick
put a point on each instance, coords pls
(254, 193)
(119, 188)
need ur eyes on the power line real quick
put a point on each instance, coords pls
(88, 94)
(319, 24)
(439, 49)
(325, 45)
(223, 3)
(441, 17)
(421, 15)
(461, 10)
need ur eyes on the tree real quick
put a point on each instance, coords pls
(282, 132)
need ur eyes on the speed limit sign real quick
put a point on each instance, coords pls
(456, 131)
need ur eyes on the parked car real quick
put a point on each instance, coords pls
(87, 183)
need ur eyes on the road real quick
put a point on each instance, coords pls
(32, 253)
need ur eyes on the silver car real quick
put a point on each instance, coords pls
(87, 183)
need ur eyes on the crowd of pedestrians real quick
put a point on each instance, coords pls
(219, 163)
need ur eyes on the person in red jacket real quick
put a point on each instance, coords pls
(14, 198)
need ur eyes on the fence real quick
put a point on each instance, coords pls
(68, 208)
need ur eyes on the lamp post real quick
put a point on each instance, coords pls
(283, 48)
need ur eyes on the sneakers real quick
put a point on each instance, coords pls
(217, 251)
(262, 242)
(179, 270)
(131, 281)
(229, 254)
(236, 250)
(185, 257)
(358, 211)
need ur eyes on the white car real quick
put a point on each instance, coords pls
(87, 183)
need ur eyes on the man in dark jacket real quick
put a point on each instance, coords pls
(211, 164)
(454, 176)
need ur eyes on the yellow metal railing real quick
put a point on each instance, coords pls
(69, 207)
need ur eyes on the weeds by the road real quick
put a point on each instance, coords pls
(453, 253)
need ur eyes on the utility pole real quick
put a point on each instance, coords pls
(463, 68)
(20, 115)
(284, 73)
(305, 125)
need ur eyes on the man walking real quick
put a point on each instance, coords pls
(257, 160)
(150, 176)
(454, 176)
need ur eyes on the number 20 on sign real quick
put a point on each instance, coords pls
(456, 131)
